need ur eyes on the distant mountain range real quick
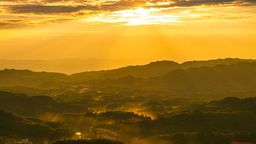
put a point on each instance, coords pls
(67, 66)
(153, 69)
(194, 77)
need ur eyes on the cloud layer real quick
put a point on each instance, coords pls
(71, 6)
(71, 9)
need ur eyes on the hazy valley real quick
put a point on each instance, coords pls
(164, 102)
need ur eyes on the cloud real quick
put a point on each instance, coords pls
(12, 23)
(79, 5)
(186, 3)
(64, 6)
(18, 23)
(201, 2)
(42, 9)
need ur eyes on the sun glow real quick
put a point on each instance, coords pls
(138, 16)
(137, 12)
(114, 29)
(133, 17)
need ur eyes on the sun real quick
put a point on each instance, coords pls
(136, 16)
(139, 12)
(141, 16)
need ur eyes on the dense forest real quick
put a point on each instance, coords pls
(197, 102)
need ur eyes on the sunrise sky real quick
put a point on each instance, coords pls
(152, 30)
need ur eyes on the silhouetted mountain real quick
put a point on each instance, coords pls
(214, 76)
(67, 66)
(228, 116)
(11, 77)
(211, 63)
(35, 105)
(145, 71)
(96, 141)
(11, 125)
(198, 121)
(220, 79)
(153, 69)
(160, 101)
(231, 104)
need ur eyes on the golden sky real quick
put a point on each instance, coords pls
(176, 30)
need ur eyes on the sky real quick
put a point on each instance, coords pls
(130, 30)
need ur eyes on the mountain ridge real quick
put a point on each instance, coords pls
(158, 69)
(154, 69)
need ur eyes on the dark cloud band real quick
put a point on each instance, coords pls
(80, 5)
(41, 9)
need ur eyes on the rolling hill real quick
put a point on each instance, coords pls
(213, 77)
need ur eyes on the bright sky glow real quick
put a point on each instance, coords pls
(138, 16)
(124, 29)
